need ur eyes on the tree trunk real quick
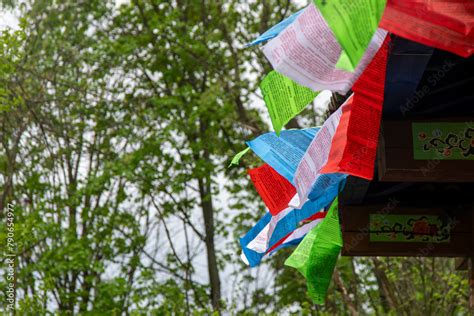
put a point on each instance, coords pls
(208, 215)
(344, 293)
(387, 296)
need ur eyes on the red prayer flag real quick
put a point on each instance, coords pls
(273, 188)
(354, 144)
(441, 24)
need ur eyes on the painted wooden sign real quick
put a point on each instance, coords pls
(443, 140)
(409, 228)
(392, 230)
(426, 150)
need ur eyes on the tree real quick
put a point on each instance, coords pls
(130, 116)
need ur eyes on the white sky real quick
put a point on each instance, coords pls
(8, 20)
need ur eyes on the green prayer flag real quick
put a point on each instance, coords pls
(316, 256)
(299, 257)
(324, 254)
(235, 160)
(353, 24)
(284, 98)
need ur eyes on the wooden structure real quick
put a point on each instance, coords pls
(411, 150)
(421, 201)
(429, 214)
(407, 219)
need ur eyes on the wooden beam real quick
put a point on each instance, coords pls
(359, 244)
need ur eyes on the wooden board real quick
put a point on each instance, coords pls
(356, 231)
(396, 159)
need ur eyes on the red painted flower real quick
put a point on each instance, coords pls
(447, 152)
(421, 227)
(422, 135)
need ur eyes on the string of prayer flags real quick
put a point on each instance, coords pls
(353, 150)
(296, 236)
(275, 30)
(353, 24)
(273, 188)
(447, 25)
(316, 156)
(307, 52)
(293, 238)
(284, 98)
(346, 142)
(339, 46)
(316, 256)
(285, 152)
(270, 230)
